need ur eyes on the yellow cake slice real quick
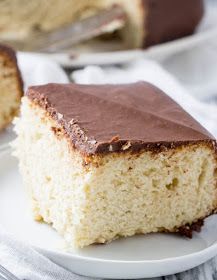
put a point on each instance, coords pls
(106, 161)
(11, 86)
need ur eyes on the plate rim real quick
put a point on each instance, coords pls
(113, 269)
(72, 255)
(166, 49)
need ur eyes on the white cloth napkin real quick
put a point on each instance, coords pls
(26, 263)
(20, 258)
(37, 70)
(196, 68)
(198, 71)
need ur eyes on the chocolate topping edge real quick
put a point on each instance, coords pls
(89, 147)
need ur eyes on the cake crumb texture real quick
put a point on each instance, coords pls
(114, 195)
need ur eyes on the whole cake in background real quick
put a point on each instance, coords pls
(105, 161)
(149, 22)
(11, 86)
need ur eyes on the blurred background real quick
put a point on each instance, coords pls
(170, 43)
(180, 35)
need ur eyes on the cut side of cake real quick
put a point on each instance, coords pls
(106, 161)
(149, 22)
(11, 86)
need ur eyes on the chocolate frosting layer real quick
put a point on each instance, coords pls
(167, 20)
(118, 118)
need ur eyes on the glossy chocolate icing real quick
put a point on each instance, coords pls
(118, 118)
(167, 20)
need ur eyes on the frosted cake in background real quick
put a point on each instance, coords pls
(149, 22)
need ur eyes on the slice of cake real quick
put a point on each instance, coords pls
(104, 161)
(11, 87)
(149, 22)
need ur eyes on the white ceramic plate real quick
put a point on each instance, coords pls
(158, 52)
(137, 257)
